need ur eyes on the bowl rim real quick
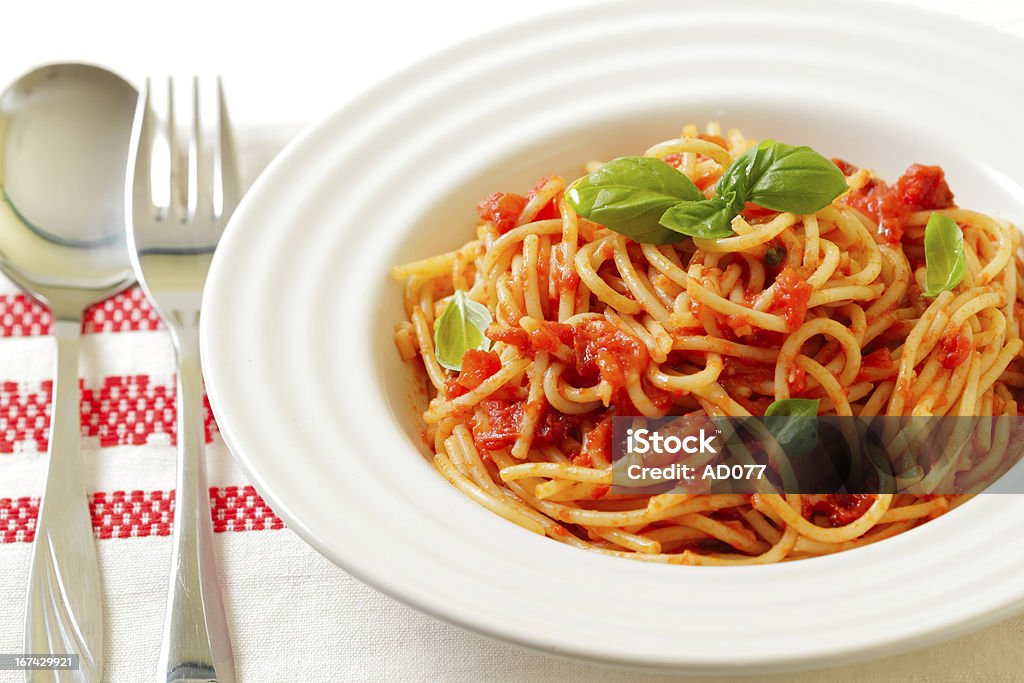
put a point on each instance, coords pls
(293, 160)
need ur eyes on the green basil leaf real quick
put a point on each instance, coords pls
(630, 194)
(460, 328)
(944, 260)
(794, 424)
(782, 177)
(709, 218)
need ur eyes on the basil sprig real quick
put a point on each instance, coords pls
(709, 218)
(782, 178)
(648, 201)
(630, 194)
(944, 259)
(794, 424)
(460, 328)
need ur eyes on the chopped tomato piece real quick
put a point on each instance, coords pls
(846, 167)
(597, 447)
(549, 336)
(582, 460)
(549, 210)
(502, 422)
(499, 426)
(745, 376)
(921, 188)
(877, 202)
(552, 426)
(513, 336)
(840, 509)
(564, 274)
(477, 366)
(717, 139)
(752, 211)
(924, 187)
(604, 350)
(707, 179)
(673, 160)
(954, 349)
(503, 209)
(792, 293)
(879, 358)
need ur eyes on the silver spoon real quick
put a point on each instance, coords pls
(64, 134)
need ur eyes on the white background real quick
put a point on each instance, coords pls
(292, 61)
(285, 65)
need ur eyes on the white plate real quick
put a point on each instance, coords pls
(311, 396)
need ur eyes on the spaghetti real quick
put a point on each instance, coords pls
(588, 324)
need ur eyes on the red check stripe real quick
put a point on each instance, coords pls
(129, 311)
(136, 514)
(122, 411)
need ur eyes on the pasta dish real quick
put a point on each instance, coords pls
(714, 275)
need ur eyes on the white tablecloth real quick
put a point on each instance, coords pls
(293, 615)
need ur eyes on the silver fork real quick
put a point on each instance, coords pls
(171, 248)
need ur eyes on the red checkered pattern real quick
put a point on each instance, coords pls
(133, 514)
(18, 519)
(129, 311)
(122, 411)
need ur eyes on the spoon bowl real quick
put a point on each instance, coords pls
(65, 130)
(63, 146)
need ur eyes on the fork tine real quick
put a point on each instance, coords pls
(227, 157)
(179, 177)
(202, 190)
(142, 136)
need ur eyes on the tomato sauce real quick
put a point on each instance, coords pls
(513, 336)
(597, 447)
(673, 160)
(502, 422)
(564, 274)
(603, 350)
(880, 359)
(752, 211)
(921, 188)
(716, 139)
(503, 209)
(954, 349)
(707, 179)
(549, 336)
(745, 379)
(791, 296)
(735, 328)
(600, 349)
(549, 210)
(477, 366)
(845, 166)
(840, 509)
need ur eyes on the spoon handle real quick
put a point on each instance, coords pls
(196, 643)
(64, 613)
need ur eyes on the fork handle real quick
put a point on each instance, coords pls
(196, 644)
(64, 613)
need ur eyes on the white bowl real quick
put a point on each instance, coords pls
(314, 402)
